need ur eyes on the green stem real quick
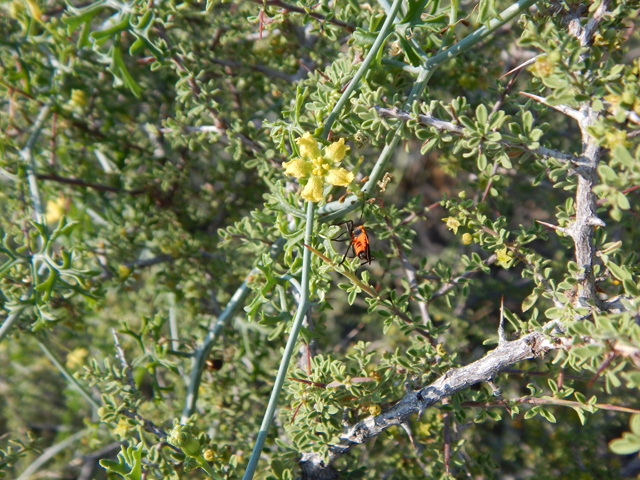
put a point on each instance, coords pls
(289, 349)
(202, 353)
(30, 162)
(51, 452)
(70, 378)
(364, 66)
(8, 323)
(480, 34)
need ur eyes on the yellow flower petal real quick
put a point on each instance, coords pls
(298, 167)
(313, 190)
(308, 146)
(339, 177)
(452, 223)
(504, 257)
(336, 151)
(55, 209)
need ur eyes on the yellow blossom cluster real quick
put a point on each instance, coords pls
(316, 168)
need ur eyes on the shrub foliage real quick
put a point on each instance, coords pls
(174, 177)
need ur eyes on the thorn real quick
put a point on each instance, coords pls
(502, 339)
(568, 111)
(519, 67)
(595, 222)
(407, 429)
(535, 97)
(555, 227)
(295, 413)
(607, 361)
(323, 75)
(497, 392)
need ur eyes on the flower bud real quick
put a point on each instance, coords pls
(374, 410)
(209, 455)
(182, 438)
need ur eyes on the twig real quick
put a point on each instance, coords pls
(495, 108)
(51, 452)
(288, 351)
(410, 273)
(258, 68)
(585, 35)
(123, 361)
(449, 127)
(447, 441)
(95, 186)
(148, 425)
(553, 401)
(530, 346)
(292, 8)
(581, 230)
(449, 285)
(70, 378)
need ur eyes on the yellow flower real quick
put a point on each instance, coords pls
(616, 137)
(542, 68)
(55, 209)
(76, 358)
(467, 238)
(121, 429)
(316, 168)
(452, 224)
(505, 257)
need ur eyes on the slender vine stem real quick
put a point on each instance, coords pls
(8, 323)
(364, 66)
(201, 354)
(27, 155)
(70, 378)
(289, 349)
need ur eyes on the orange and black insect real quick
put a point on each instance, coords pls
(359, 242)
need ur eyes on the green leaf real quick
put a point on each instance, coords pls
(111, 31)
(581, 415)
(129, 464)
(120, 72)
(621, 273)
(352, 296)
(622, 155)
(630, 287)
(482, 162)
(586, 352)
(414, 11)
(281, 202)
(362, 38)
(629, 443)
(410, 52)
(481, 114)
(83, 15)
(529, 302)
(548, 415)
(634, 423)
